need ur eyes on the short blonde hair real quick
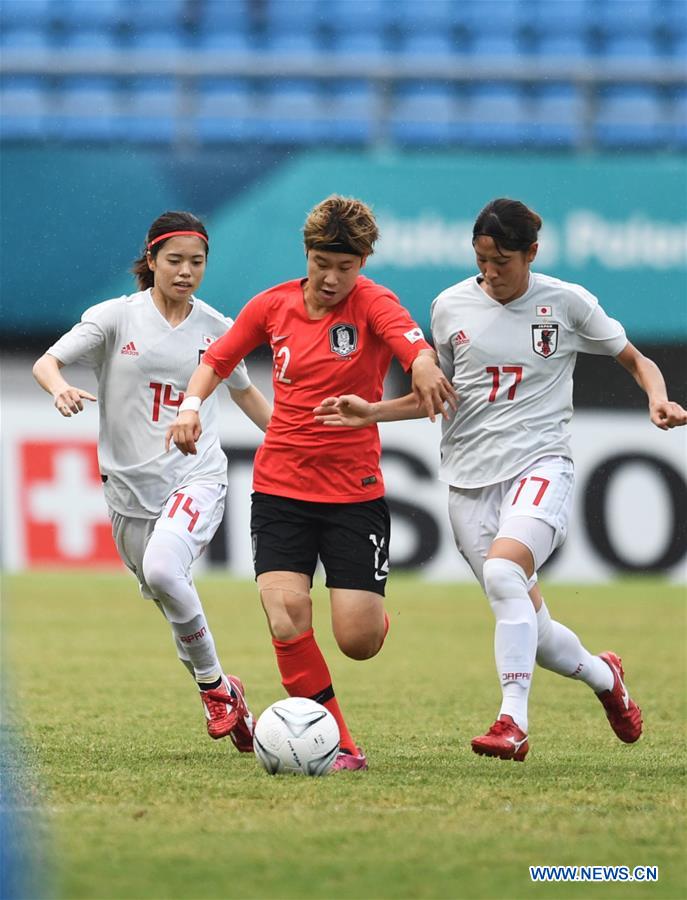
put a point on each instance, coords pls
(341, 225)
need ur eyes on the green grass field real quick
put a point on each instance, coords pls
(129, 798)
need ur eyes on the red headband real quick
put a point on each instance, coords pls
(170, 234)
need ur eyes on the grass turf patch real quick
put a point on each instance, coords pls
(141, 804)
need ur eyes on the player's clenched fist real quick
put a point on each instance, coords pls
(667, 414)
(184, 432)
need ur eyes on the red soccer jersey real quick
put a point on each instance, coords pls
(348, 351)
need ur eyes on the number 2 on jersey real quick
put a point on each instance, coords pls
(285, 353)
(495, 373)
(165, 399)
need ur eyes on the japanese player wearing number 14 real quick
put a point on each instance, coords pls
(164, 508)
(507, 339)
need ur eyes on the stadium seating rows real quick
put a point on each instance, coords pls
(541, 113)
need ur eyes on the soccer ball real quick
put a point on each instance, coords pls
(296, 736)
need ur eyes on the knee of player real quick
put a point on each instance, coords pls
(361, 646)
(503, 577)
(160, 573)
(289, 612)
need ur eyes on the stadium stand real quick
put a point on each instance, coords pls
(571, 75)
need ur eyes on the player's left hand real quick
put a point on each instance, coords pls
(349, 411)
(184, 432)
(666, 414)
(432, 389)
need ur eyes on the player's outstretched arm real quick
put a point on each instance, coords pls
(351, 411)
(254, 404)
(431, 388)
(46, 371)
(664, 413)
(186, 428)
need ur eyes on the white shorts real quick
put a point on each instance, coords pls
(192, 513)
(542, 492)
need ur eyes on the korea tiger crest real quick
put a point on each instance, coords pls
(343, 339)
(545, 338)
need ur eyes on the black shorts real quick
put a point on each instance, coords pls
(351, 539)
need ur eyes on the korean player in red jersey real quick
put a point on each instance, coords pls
(319, 492)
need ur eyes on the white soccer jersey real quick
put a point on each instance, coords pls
(512, 367)
(143, 365)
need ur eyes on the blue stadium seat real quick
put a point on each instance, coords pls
(296, 16)
(562, 17)
(433, 45)
(291, 43)
(19, 13)
(631, 47)
(425, 115)
(97, 13)
(85, 110)
(33, 40)
(352, 109)
(152, 111)
(224, 111)
(226, 40)
(353, 44)
(371, 16)
(499, 44)
(292, 113)
(223, 15)
(631, 117)
(167, 41)
(24, 103)
(678, 47)
(619, 17)
(411, 16)
(102, 43)
(564, 46)
(496, 116)
(156, 14)
(556, 117)
(494, 16)
(674, 17)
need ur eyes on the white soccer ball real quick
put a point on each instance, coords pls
(296, 736)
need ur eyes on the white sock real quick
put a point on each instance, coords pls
(181, 650)
(197, 639)
(560, 650)
(166, 569)
(515, 635)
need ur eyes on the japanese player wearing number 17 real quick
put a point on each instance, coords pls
(508, 339)
(164, 508)
(319, 492)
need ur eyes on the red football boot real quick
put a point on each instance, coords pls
(504, 740)
(624, 715)
(228, 714)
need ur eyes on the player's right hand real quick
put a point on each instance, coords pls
(184, 432)
(68, 401)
